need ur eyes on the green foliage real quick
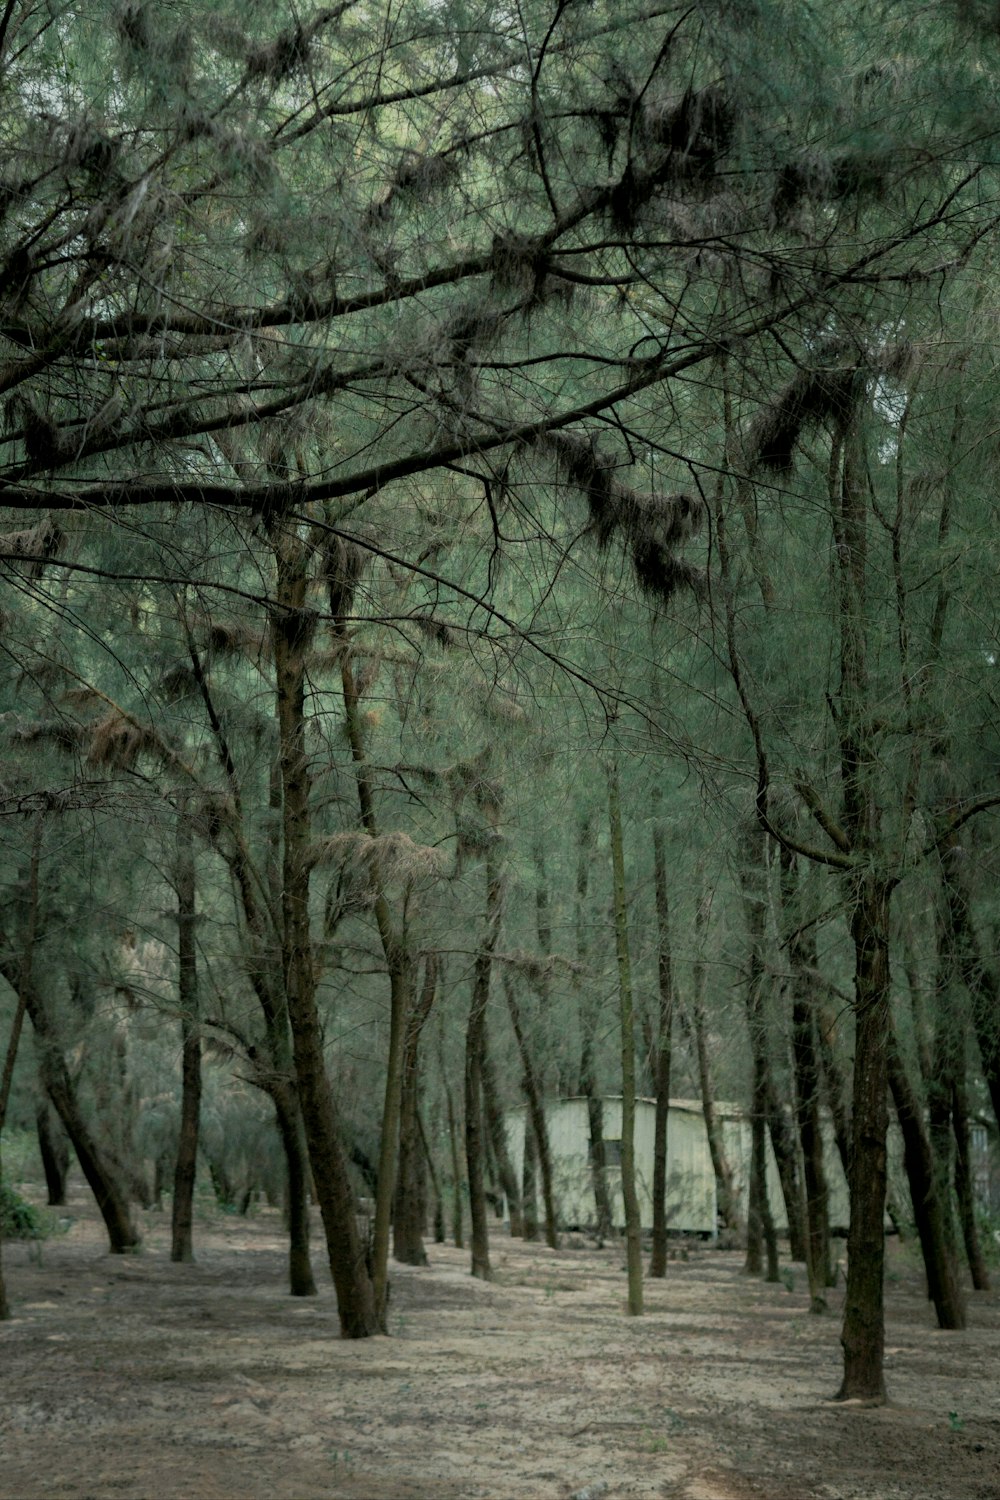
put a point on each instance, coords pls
(19, 1219)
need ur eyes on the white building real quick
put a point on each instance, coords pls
(691, 1191)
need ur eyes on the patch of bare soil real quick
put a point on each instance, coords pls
(136, 1378)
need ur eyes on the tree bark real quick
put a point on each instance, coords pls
(633, 1230)
(727, 1200)
(181, 1247)
(964, 1188)
(805, 1063)
(760, 1223)
(497, 1129)
(930, 1217)
(536, 1112)
(977, 975)
(863, 1333)
(456, 1170)
(409, 1218)
(588, 1081)
(54, 1151)
(663, 1054)
(291, 625)
(474, 1051)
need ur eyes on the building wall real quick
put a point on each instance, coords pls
(691, 1196)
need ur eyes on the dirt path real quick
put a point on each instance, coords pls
(138, 1379)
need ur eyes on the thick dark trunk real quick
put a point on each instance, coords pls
(663, 1049)
(182, 1212)
(596, 1152)
(53, 1148)
(863, 1333)
(290, 632)
(929, 1213)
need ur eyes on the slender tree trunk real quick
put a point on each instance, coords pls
(786, 1159)
(112, 1200)
(456, 1169)
(805, 1063)
(964, 1189)
(181, 1247)
(291, 628)
(760, 1223)
(863, 1334)
(53, 1148)
(833, 1086)
(536, 1111)
(431, 1166)
(291, 1129)
(400, 966)
(588, 1081)
(978, 976)
(633, 1229)
(529, 1180)
(929, 1214)
(497, 1136)
(727, 1199)
(409, 1218)
(663, 1054)
(474, 1050)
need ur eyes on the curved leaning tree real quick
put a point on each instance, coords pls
(283, 290)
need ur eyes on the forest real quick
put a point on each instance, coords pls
(498, 550)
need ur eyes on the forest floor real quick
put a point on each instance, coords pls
(135, 1379)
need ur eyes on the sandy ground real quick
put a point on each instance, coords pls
(138, 1379)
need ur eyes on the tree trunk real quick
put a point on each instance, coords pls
(456, 1170)
(536, 1111)
(977, 975)
(929, 1214)
(111, 1198)
(409, 1218)
(181, 1248)
(588, 1081)
(833, 1086)
(53, 1149)
(964, 1188)
(475, 1042)
(727, 1200)
(497, 1137)
(806, 1068)
(664, 1041)
(291, 1129)
(760, 1223)
(529, 1180)
(291, 625)
(633, 1231)
(863, 1334)
(101, 1175)
(787, 1161)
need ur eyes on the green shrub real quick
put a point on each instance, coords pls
(20, 1220)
